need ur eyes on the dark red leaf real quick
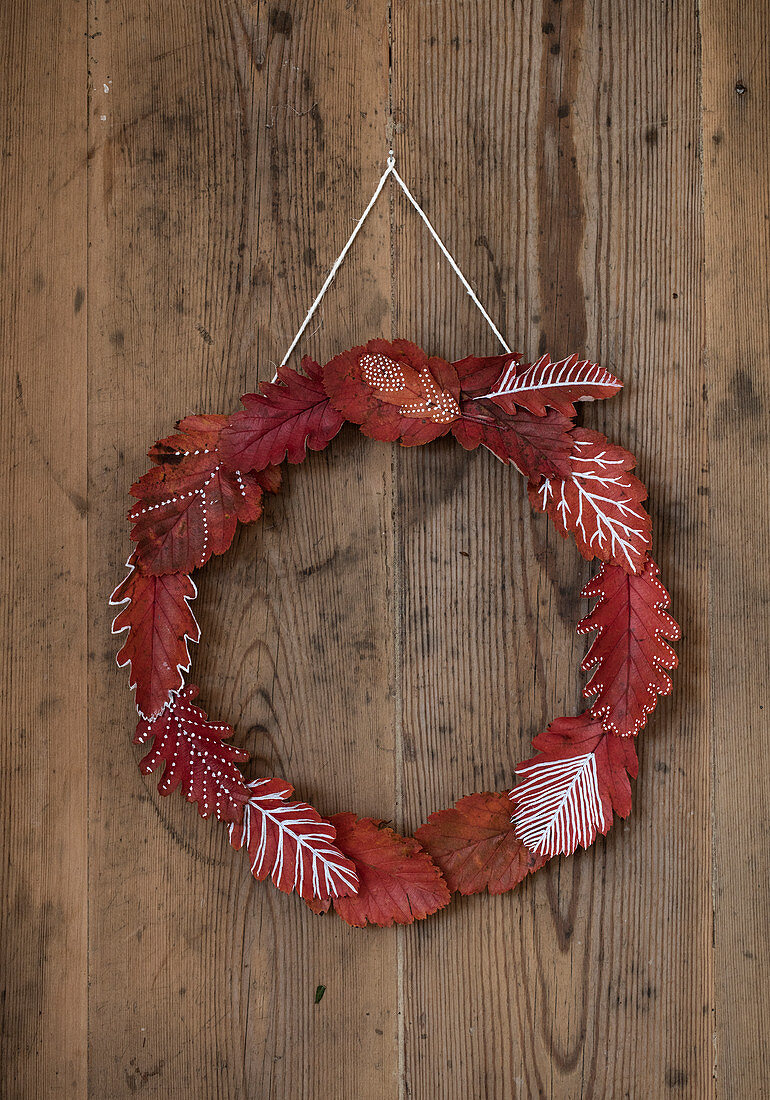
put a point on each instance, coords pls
(160, 624)
(195, 757)
(600, 502)
(556, 384)
(394, 391)
(537, 445)
(628, 655)
(190, 503)
(398, 881)
(283, 421)
(475, 845)
(479, 375)
(291, 843)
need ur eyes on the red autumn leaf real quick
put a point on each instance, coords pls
(398, 881)
(190, 503)
(600, 502)
(394, 391)
(477, 374)
(556, 384)
(283, 421)
(160, 624)
(629, 655)
(292, 844)
(195, 756)
(538, 446)
(475, 845)
(570, 788)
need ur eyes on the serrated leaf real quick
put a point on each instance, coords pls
(600, 503)
(556, 384)
(537, 446)
(285, 420)
(292, 844)
(160, 625)
(398, 881)
(475, 845)
(629, 655)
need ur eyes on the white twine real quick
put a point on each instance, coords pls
(390, 170)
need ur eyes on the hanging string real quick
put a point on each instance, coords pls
(390, 170)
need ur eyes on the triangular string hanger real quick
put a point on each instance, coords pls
(390, 170)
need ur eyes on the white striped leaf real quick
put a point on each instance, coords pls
(556, 384)
(558, 805)
(292, 844)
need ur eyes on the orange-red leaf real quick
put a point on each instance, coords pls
(600, 502)
(286, 419)
(160, 624)
(475, 845)
(398, 881)
(190, 503)
(629, 655)
(195, 757)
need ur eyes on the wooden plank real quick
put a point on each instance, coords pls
(233, 148)
(43, 754)
(556, 146)
(736, 154)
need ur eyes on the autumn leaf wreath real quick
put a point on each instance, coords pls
(214, 473)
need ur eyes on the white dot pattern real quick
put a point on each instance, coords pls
(387, 377)
(196, 760)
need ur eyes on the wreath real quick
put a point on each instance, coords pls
(214, 473)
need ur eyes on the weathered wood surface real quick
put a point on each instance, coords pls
(176, 181)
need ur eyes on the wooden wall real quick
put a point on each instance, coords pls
(176, 180)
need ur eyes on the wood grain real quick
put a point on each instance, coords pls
(605, 169)
(224, 179)
(43, 749)
(176, 182)
(736, 149)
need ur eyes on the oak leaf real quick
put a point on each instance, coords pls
(629, 655)
(160, 625)
(195, 757)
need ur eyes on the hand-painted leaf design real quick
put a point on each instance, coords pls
(195, 757)
(600, 503)
(629, 655)
(570, 789)
(292, 844)
(160, 625)
(556, 384)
